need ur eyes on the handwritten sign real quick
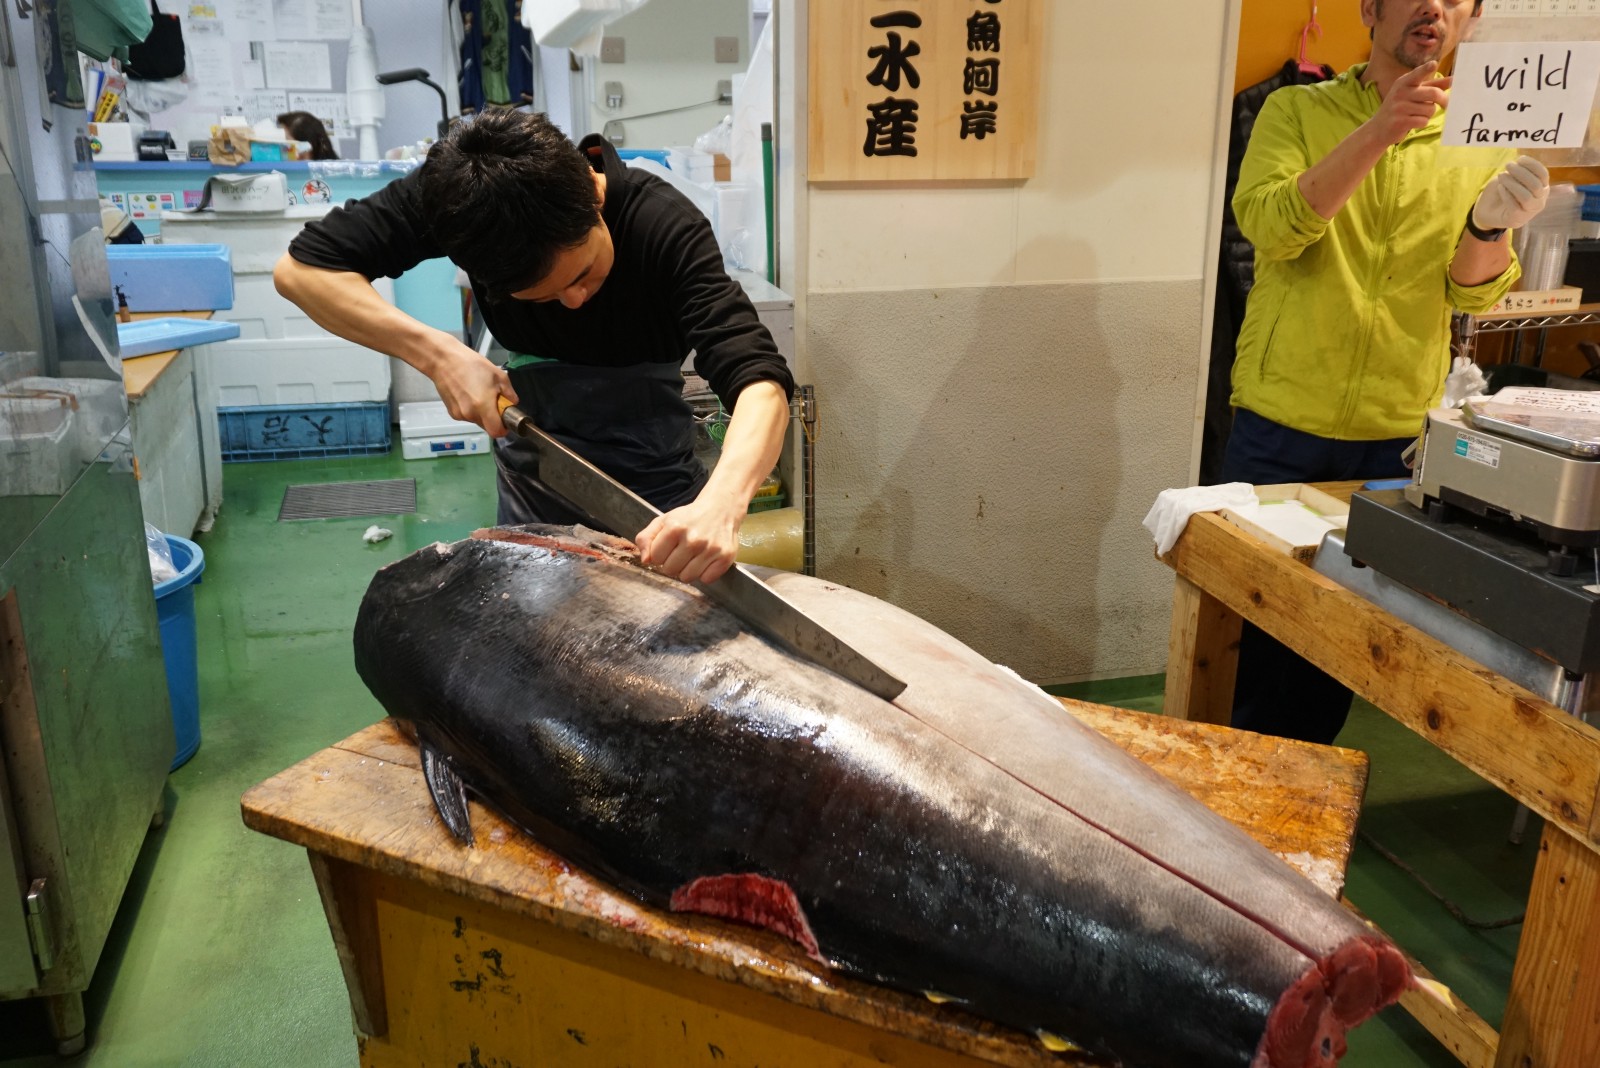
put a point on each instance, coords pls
(1535, 94)
(923, 90)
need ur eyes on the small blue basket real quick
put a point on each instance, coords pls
(300, 431)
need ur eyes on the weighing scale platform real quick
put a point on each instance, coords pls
(1495, 578)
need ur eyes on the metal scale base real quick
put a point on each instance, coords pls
(1496, 578)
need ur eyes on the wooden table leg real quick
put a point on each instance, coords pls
(1202, 656)
(1553, 1013)
(353, 920)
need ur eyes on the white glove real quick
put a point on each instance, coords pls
(1464, 382)
(1173, 507)
(1513, 197)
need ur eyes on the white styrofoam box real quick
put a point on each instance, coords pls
(563, 23)
(257, 241)
(427, 432)
(255, 371)
(262, 313)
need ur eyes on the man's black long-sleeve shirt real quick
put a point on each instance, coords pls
(667, 292)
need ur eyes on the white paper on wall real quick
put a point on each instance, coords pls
(297, 65)
(331, 108)
(252, 21)
(263, 103)
(211, 65)
(331, 18)
(293, 18)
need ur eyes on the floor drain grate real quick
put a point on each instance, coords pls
(329, 500)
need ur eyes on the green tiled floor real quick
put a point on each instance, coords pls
(221, 957)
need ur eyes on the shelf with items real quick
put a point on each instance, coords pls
(1468, 327)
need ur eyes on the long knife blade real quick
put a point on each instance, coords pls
(739, 591)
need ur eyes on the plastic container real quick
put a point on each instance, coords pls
(427, 432)
(175, 615)
(1542, 244)
(158, 278)
(329, 370)
(301, 431)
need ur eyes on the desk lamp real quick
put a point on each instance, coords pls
(417, 74)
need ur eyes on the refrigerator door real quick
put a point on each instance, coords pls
(86, 733)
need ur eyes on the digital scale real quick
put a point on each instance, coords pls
(1501, 521)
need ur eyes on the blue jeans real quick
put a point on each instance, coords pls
(1278, 692)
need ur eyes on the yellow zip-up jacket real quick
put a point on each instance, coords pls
(1346, 332)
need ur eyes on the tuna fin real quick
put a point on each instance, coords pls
(449, 792)
(942, 999)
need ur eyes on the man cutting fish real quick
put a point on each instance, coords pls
(600, 279)
(1364, 243)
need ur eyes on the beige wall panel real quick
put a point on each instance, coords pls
(985, 456)
(913, 237)
(1128, 105)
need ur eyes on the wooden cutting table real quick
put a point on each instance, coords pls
(502, 954)
(1545, 758)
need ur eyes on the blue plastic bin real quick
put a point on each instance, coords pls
(175, 613)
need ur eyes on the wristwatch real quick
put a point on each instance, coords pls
(1484, 235)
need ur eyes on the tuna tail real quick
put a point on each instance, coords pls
(449, 792)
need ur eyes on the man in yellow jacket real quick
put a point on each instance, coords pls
(1363, 245)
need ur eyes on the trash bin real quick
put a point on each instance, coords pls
(175, 613)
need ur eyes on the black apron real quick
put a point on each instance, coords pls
(631, 422)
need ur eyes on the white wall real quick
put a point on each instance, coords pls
(669, 62)
(1007, 374)
(411, 33)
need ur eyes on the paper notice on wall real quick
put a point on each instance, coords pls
(331, 18)
(292, 18)
(251, 75)
(331, 108)
(252, 21)
(263, 103)
(297, 65)
(1533, 94)
(210, 67)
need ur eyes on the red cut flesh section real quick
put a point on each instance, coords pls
(750, 899)
(1306, 1028)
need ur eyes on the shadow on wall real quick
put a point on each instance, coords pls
(972, 463)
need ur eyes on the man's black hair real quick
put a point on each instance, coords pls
(506, 193)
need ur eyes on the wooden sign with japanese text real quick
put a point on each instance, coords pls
(923, 90)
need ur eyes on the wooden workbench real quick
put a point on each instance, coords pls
(1545, 758)
(503, 954)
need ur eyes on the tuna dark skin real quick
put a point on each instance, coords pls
(970, 839)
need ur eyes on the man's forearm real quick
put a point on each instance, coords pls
(1330, 183)
(1477, 261)
(345, 304)
(752, 444)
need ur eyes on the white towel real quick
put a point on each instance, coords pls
(1173, 507)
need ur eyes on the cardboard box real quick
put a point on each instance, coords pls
(1293, 518)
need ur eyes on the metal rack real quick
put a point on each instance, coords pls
(1469, 326)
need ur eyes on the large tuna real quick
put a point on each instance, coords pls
(970, 839)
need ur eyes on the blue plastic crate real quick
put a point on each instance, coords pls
(1591, 202)
(301, 431)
